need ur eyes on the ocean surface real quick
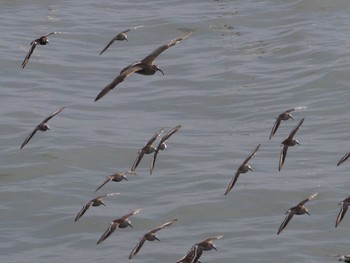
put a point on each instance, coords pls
(246, 62)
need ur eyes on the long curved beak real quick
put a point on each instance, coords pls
(160, 70)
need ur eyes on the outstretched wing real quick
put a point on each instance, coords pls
(112, 227)
(109, 178)
(275, 126)
(344, 158)
(120, 78)
(136, 211)
(29, 137)
(138, 160)
(108, 45)
(285, 222)
(83, 210)
(163, 226)
(159, 50)
(53, 115)
(283, 155)
(137, 248)
(293, 132)
(252, 154)
(26, 59)
(232, 183)
(307, 199)
(343, 209)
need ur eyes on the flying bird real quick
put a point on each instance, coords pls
(145, 67)
(196, 251)
(290, 141)
(118, 177)
(299, 209)
(120, 37)
(150, 236)
(284, 117)
(43, 126)
(147, 149)
(344, 158)
(94, 202)
(162, 146)
(122, 222)
(243, 168)
(43, 40)
(343, 208)
(345, 258)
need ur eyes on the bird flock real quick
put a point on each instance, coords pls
(146, 66)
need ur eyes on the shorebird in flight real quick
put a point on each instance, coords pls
(344, 205)
(150, 236)
(122, 222)
(94, 202)
(145, 67)
(147, 149)
(290, 141)
(243, 168)
(284, 117)
(196, 251)
(120, 37)
(118, 177)
(162, 146)
(43, 40)
(43, 126)
(299, 209)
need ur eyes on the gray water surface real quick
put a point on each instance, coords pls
(245, 63)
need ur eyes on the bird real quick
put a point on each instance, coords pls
(120, 37)
(344, 158)
(43, 126)
(149, 236)
(345, 258)
(243, 168)
(299, 209)
(94, 202)
(162, 146)
(147, 149)
(117, 177)
(284, 117)
(145, 67)
(193, 255)
(122, 222)
(290, 141)
(43, 40)
(343, 208)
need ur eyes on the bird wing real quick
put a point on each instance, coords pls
(283, 155)
(26, 59)
(343, 209)
(53, 115)
(120, 78)
(136, 211)
(344, 158)
(108, 45)
(285, 221)
(168, 135)
(275, 126)
(307, 199)
(153, 162)
(29, 137)
(252, 154)
(138, 160)
(109, 178)
(137, 248)
(212, 238)
(83, 210)
(103, 196)
(191, 256)
(132, 28)
(155, 136)
(232, 183)
(149, 59)
(112, 227)
(163, 226)
(52, 33)
(293, 132)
